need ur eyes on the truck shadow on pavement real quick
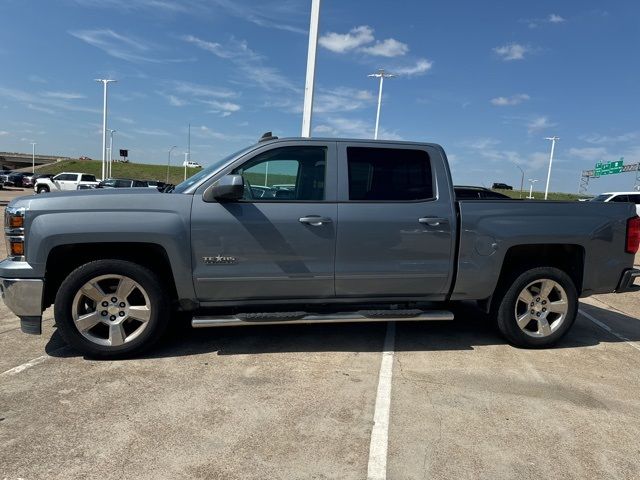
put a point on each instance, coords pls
(471, 329)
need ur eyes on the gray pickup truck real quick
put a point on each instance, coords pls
(307, 231)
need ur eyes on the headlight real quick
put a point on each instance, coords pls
(14, 231)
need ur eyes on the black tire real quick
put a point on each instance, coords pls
(156, 324)
(505, 307)
(43, 189)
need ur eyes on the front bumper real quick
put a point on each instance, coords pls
(627, 281)
(23, 296)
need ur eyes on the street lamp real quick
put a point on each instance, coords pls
(109, 173)
(381, 74)
(105, 83)
(553, 146)
(186, 156)
(532, 181)
(169, 162)
(521, 180)
(307, 108)
(33, 157)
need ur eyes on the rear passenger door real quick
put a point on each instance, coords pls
(396, 221)
(66, 181)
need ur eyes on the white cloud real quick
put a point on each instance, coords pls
(512, 51)
(196, 90)
(589, 153)
(421, 67)
(122, 47)
(510, 101)
(539, 123)
(152, 132)
(344, 42)
(387, 48)
(36, 79)
(37, 108)
(342, 99)
(3, 132)
(348, 127)
(224, 108)
(597, 139)
(555, 18)
(64, 95)
(249, 63)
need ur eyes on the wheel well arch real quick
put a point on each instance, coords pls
(63, 259)
(569, 258)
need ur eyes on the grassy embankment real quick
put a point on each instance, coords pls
(136, 171)
(540, 195)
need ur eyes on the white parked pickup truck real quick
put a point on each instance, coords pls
(65, 181)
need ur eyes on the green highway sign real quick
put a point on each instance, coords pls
(609, 168)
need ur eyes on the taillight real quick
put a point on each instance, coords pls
(633, 235)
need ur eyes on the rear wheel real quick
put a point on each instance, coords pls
(538, 308)
(42, 189)
(111, 309)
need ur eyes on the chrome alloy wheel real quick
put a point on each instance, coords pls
(541, 308)
(111, 310)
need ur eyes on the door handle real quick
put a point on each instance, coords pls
(433, 221)
(314, 220)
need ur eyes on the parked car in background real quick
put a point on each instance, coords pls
(28, 179)
(4, 177)
(191, 164)
(156, 184)
(65, 181)
(464, 192)
(619, 197)
(501, 186)
(122, 183)
(16, 178)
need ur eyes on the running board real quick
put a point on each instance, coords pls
(279, 318)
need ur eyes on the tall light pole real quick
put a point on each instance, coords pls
(111, 132)
(521, 180)
(307, 109)
(186, 156)
(105, 83)
(169, 162)
(532, 181)
(553, 139)
(33, 158)
(381, 74)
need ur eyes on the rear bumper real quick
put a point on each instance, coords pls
(627, 281)
(23, 296)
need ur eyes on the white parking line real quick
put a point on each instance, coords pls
(608, 329)
(377, 468)
(24, 366)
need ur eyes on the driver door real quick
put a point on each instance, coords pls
(278, 242)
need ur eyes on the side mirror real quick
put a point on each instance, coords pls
(228, 188)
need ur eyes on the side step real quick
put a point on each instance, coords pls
(276, 318)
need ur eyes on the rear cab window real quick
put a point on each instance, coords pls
(379, 174)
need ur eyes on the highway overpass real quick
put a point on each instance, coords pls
(15, 161)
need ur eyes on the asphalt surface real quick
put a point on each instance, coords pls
(288, 402)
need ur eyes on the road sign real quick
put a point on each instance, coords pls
(609, 168)
(124, 153)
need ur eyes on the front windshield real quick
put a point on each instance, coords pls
(600, 198)
(206, 172)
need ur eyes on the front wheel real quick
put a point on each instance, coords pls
(111, 309)
(538, 308)
(43, 189)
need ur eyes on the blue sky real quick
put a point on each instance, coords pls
(487, 80)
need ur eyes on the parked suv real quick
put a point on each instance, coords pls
(501, 186)
(65, 181)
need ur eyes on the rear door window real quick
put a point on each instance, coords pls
(67, 177)
(620, 198)
(389, 174)
(88, 178)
